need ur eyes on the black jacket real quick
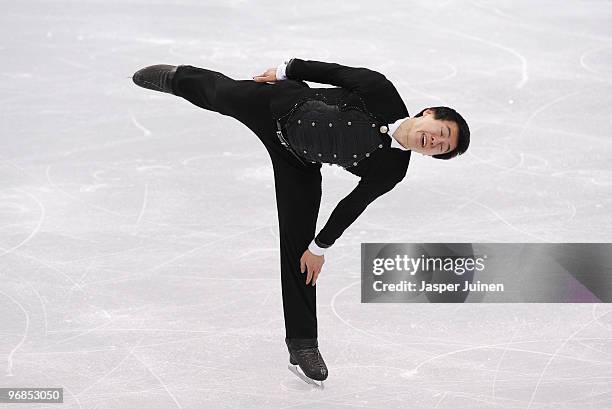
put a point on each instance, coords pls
(360, 92)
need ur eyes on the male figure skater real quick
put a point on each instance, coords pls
(361, 124)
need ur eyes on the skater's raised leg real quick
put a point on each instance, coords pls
(245, 100)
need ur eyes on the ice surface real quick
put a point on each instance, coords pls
(138, 234)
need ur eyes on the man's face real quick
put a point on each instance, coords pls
(431, 136)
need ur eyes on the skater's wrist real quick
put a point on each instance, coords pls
(280, 71)
(315, 249)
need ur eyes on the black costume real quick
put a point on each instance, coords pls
(362, 107)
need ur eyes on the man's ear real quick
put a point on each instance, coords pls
(428, 111)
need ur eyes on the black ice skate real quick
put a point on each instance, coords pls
(155, 77)
(305, 353)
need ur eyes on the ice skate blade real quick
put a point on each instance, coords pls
(298, 372)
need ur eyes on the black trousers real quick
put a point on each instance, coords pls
(298, 185)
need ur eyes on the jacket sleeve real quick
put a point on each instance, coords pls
(351, 78)
(349, 208)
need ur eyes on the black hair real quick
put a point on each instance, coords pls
(449, 114)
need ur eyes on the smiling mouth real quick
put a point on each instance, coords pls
(423, 140)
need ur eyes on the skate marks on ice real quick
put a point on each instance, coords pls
(138, 125)
(524, 363)
(588, 62)
(9, 358)
(17, 207)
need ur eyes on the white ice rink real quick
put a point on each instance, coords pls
(139, 260)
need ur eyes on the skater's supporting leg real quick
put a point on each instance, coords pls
(298, 197)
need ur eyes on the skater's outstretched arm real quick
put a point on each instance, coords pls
(346, 212)
(349, 208)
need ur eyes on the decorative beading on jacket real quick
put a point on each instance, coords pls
(324, 133)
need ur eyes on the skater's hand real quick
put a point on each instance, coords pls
(313, 263)
(268, 76)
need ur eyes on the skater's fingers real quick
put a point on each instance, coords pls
(268, 76)
(270, 80)
(319, 271)
(260, 77)
(309, 276)
(315, 277)
(302, 264)
(312, 268)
